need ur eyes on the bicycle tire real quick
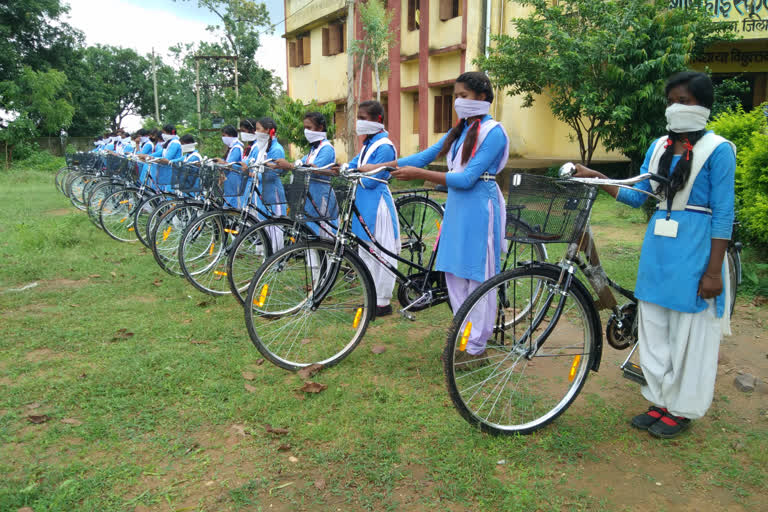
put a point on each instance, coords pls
(173, 221)
(204, 248)
(61, 176)
(116, 215)
(733, 257)
(476, 392)
(252, 248)
(96, 199)
(142, 213)
(279, 308)
(76, 186)
(419, 220)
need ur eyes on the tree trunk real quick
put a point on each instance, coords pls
(351, 114)
(360, 79)
(378, 82)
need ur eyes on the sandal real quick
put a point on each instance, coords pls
(669, 426)
(647, 419)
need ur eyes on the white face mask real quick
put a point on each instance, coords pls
(144, 140)
(188, 148)
(262, 139)
(166, 137)
(469, 108)
(314, 136)
(686, 118)
(368, 127)
(247, 137)
(228, 140)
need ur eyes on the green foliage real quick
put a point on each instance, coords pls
(39, 95)
(289, 116)
(601, 64)
(749, 132)
(373, 49)
(41, 161)
(728, 94)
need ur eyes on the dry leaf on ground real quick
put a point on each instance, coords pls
(33, 405)
(313, 387)
(283, 447)
(249, 375)
(94, 276)
(259, 362)
(157, 282)
(121, 334)
(249, 388)
(72, 421)
(239, 429)
(308, 371)
(276, 431)
(378, 349)
(320, 484)
(293, 459)
(198, 342)
(38, 418)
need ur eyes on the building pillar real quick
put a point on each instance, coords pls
(463, 54)
(367, 91)
(393, 87)
(424, 125)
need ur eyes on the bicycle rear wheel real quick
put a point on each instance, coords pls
(305, 305)
(96, 199)
(116, 214)
(531, 370)
(143, 213)
(419, 221)
(733, 256)
(168, 231)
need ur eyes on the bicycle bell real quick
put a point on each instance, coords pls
(567, 170)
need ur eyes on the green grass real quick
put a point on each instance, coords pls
(166, 422)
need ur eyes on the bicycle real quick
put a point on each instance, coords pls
(544, 334)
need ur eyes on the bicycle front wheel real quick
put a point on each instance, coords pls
(167, 233)
(419, 221)
(531, 370)
(117, 213)
(308, 305)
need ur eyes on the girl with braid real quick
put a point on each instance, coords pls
(682, 303)
(476, 150)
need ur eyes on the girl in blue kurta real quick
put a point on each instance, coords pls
(234, 189)
(683, 309)
(145, 148)
(374, 200)
(171, 153)
(476, 150)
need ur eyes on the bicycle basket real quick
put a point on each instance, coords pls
(229, 184)
(115, 166)
(315, 198)
(186, 178)
(547, 210)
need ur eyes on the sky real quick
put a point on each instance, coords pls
(143, 24)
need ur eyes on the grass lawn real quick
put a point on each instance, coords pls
(150, 396)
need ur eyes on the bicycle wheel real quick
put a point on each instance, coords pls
(75, 189)
(253, 247)
(60, 178)
(143, 212)
(734, 274)
(517, 253)
(532, 371)
(96, 199)
(204, 248)
(308, 305)
(116, 214)
(419, 221)
(167, 233)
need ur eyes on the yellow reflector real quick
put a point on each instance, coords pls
(358, 315)
(131, 229)
(231, 231)
(437, 223)
(219, 273)
(124, 201)
(262, 296)
(210, 252)
(123, 219)
(465, 337)
(99, 202)
(292, 239)
(574, 367)
(167, 233)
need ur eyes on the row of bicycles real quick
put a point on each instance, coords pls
(308, 296)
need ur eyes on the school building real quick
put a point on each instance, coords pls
(436, 40)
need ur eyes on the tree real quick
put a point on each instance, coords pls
(289, 116)
(601, 64)
(38, 96)
(377, 40)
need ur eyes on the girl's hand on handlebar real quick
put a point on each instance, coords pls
(586, 172)
(406, 173)
(163, 161)
(368, 167)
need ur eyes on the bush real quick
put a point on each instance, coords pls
(39, 160)
(749, 131)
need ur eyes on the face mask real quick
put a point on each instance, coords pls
(247, 137)
(262, 139)
(188, 148)
(368, 127)
(228, 140)
(314, 136)
(686, 118)
(166, 137)
(469, 108)
(144, 140)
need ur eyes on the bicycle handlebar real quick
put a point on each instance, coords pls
(569, 169)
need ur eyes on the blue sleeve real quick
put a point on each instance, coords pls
(275, 152)
(486, 155)
(424, 158)
(325, 156)
(236, 155)
(722, 170)
(146, 149)
(193, 159)
(631, 197)
(353, 162)
(174, 152)
(158, 153)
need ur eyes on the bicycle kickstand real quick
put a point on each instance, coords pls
(633, 371)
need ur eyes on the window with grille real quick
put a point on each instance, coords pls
(300, 51)
(333, 39)
(443, 110)
(413, 15)
(450, 9)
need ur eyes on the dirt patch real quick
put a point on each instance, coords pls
(59, 211)
(41, 355)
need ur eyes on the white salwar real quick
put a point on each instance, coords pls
(384, 232)
(678, 355)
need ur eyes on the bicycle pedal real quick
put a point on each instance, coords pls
(407, 316)
(633, 372)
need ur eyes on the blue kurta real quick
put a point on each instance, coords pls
(370, 193)
(146, 149)
(233, 187)
(171, 152)
(320, 187)
(670, 268)
(464, 234)
(156, 153)
(272, 192)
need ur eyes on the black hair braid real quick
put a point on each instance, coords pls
(268, 124)
(682, 171)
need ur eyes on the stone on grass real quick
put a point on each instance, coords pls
(745, 382)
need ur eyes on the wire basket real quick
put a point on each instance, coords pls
(315, 198)
(547, 210)
(228, 183)
(87, 161)
(115, 166)
(187, 178)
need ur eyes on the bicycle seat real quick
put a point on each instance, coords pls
(441, 188)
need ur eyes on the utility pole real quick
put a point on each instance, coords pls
(197, 86)
(350, 138)
(237, 90)
(154, 84)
